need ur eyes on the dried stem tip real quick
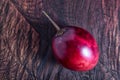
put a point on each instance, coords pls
(54, 24)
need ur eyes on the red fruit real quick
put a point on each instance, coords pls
(74, 48)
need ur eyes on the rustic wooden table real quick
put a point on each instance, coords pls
(26, 35)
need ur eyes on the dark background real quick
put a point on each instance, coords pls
(26, 35)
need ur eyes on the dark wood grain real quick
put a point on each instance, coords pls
(26, 35)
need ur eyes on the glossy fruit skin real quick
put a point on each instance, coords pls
(76, 49)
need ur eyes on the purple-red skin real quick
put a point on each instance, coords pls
(76, 49)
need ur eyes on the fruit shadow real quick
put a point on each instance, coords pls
(46, 31)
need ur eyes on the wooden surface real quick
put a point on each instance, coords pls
(26, 34)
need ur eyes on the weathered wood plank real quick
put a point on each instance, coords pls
(26, 34)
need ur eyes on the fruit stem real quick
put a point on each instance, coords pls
(54, 24)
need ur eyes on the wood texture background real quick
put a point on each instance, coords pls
(26, 35)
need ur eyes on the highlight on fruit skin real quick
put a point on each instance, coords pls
(74, 47)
